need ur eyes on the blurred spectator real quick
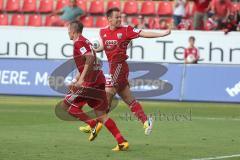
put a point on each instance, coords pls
(200, 15)
(124, 19)
(211, 23)
(230, 24)
(179, 11)
(69, 13)
(238, 26)
(139, 22)
(222, 9)
(163, 24)
(185, 24)
(191, 54)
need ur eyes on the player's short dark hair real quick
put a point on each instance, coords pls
(111, 10)
(192, 38)
(77, 26)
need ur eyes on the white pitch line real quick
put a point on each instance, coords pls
(220, 157)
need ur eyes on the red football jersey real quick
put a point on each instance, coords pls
(116, 41)
(82, 46)
(191, 51)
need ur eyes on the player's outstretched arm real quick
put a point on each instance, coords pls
(145, 34)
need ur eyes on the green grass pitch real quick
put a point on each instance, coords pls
(30, 130)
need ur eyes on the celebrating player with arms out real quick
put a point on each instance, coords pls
(115, 39)
(89, 88)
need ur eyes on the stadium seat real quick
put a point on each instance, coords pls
(13, 6)
(148, 8)
(130, 7)
(61, 3)
(82, 4)
(1, 5)
(29, 6)
(87, 21)
(50, 19)
(18, 20)
(3, 19)
(190, 9)
(114, 3)
(35, 20)
(165, 8)
(45, 6)
(101, 22)
(96, 7)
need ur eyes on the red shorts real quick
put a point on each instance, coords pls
(119, 73)
(95, 97)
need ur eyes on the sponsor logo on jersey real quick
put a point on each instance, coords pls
(111, 42)
(83, 50)
(104, 35)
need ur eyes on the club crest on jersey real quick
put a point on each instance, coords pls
(119, 35)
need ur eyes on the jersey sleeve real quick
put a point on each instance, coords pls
(132, 33)
(82, 48)
(185, 53)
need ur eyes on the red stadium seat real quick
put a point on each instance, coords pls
(50, 19)
(96, 7)
(13, 6)
(29, 6)
(148, 8)
(190, 9)
(35, 20)
(82, 4)
(87, 21)
(18, 20)
(61, 3)
(165, 8)
(130, 7)
(1, 5)
(3, 19)
(114, 3)
(46, 6)
(101, 22)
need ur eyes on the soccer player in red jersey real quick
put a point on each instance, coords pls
(89, 87)
(191, 54)
(116, 38)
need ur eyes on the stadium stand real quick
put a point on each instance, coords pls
(130, 7)
(151, 11)
(97, 7)
(3, 19)
(148, 8)
(29, 6)
(101, 22)
(34, 20)
(13, 6)
(114, 3)
(61, 3)
(46, 6)
(18, 20)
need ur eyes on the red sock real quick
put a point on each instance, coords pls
(111, 126)
(137, 110)
(78, 113)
